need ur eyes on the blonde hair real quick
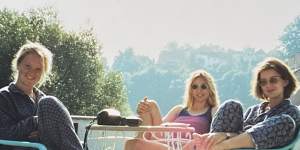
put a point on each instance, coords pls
(33, 48)
(281, 68)
(213, 94)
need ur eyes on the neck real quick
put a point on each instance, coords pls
(27, 90)
(275, 101)
(199, 106)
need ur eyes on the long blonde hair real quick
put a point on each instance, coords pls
(213, 94)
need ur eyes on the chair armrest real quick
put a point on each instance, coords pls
(23, 144)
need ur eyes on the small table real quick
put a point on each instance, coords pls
(111, 137)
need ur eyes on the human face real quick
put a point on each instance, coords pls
(272, 84)
(30, 70)
(201, 93)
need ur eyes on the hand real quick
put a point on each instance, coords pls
(206, 141)
(189, 145)
(33, 134)
(213, 139)
(198, 140)
(143, 106)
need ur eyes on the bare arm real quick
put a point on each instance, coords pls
(172, 114)
(243, 140)
(214, 110)
(222, 141)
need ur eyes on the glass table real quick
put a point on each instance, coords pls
(106, 137)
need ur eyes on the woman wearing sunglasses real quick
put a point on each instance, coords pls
(270, 124)
(200, 103)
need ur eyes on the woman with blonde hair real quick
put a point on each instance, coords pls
(27, 114)
(200, 103)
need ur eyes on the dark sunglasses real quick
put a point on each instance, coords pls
(197, 86)
(272, 80)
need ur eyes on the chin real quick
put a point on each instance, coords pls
(200, 100)
(30, 84)
(273, 97)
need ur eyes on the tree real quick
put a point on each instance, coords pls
(79, 78)
(165, 80)
(161, 85)
(127, 61)
(291, 38)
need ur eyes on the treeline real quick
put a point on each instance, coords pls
(164, 79)
(85, 85)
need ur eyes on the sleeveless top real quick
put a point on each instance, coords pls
(201, 122)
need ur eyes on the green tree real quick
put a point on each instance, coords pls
(127, 61)
(79, 78)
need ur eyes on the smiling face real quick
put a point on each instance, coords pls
(30, 70)
(199, 90)
(272, 84)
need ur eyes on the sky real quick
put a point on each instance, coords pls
(148, 26)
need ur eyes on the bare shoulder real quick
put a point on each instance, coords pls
(214, 110)
(177, 108)
(173, 113)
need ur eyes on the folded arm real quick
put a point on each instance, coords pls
(12, 130)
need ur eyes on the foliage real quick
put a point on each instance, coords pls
(127, 62)
(291, 38)
(79, 78)
(164, 80)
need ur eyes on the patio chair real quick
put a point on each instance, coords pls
(295, 145)
(39, 146)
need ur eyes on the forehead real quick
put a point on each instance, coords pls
(33, 59)
(199, 80)
(268, 73)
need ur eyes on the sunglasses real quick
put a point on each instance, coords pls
(197, 86)
(272, 80)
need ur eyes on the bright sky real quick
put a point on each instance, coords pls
(148, 26)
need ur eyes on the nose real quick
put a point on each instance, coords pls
(199, 89)
(31, 74)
